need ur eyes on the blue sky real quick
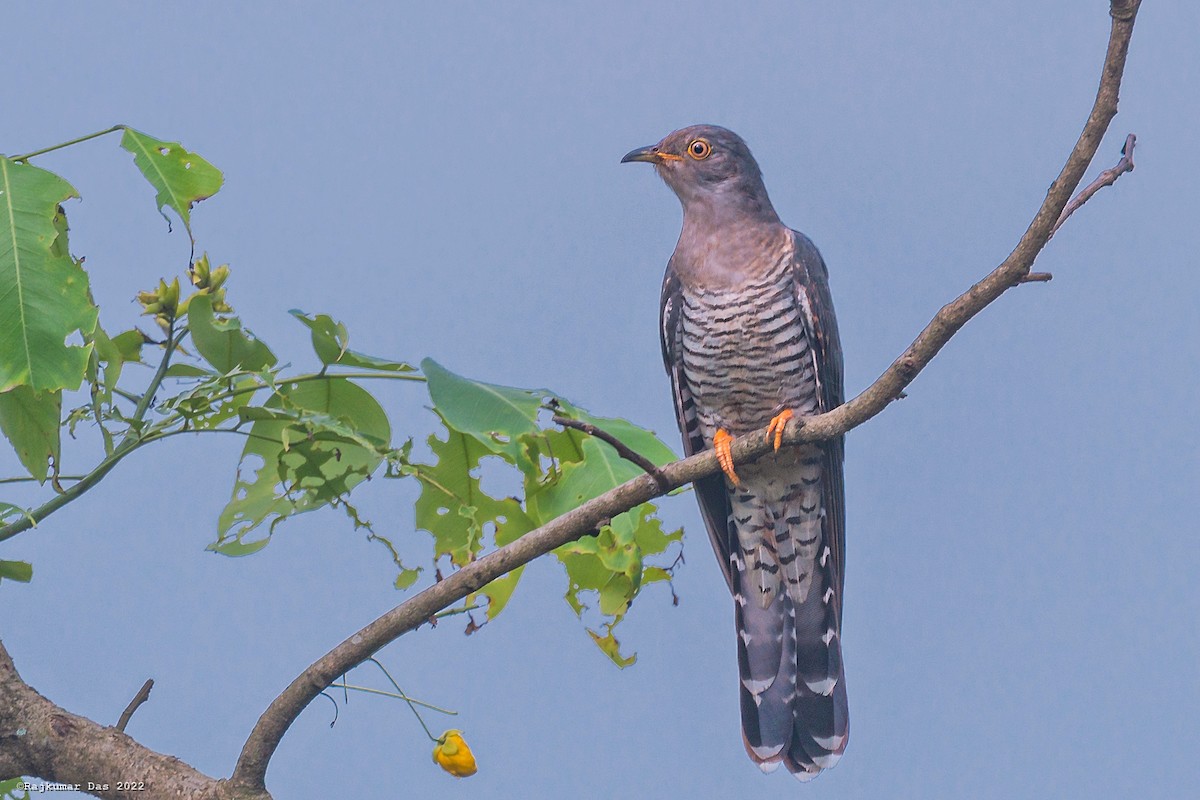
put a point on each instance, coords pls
(1021, 611)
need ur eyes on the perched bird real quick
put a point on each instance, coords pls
(749, 339)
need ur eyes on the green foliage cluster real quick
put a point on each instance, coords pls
(310, 438)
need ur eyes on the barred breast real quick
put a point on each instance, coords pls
(745, 353)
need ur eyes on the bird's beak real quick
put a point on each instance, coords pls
(650, 155)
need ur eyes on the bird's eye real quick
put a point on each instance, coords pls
(699, 149)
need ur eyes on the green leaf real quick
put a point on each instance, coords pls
(236, 548)
(499, 591)
(452, 507)
(30, 421)
(609, 563)
(640, 440)
(180, 178)
(611, 647)
(16, 571)
(330, 341)
(318, 441)
(406, 578)
(105, 351)
(496, 416)
(600, 470)
(612, 565)
(223, 342)
(188, 371)
(129, 343)
(213, 400)
(43, 291)
(13, 788)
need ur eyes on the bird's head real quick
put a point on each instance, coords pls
(709, 168)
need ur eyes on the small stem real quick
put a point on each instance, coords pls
(54, 147)
(450, 612)
(29, 478)
(130, 396)
(321, 376)
(403, 697)
(623, 450)
(148, 397)
(416, 713)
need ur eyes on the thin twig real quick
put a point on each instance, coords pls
(251, 770)
(1035, 277)
(144, 404)
(142, 696)
(403, 697)
(76, 140)
(623, 450)
(1106, 178)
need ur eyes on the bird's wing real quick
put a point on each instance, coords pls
(811, 279)
(714, 500)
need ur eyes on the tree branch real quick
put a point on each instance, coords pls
(282, 712)
(40, 738)
(623, 450)
(142, 696)
(1106, 178)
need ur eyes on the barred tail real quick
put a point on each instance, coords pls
(785, 582)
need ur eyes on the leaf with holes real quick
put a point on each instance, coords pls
(317, 441)
(497, 416)
(43, 291)
(180, 178)
(612, 565)
(498, 592)
(451, 505)
(599, 470)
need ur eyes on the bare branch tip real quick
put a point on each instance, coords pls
(1036, 277)
(142, 696)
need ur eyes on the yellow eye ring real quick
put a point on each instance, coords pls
(699, 149)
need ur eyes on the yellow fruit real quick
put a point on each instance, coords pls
(453, 755)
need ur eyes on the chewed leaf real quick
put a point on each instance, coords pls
(496, 416)
(453, 507)
(611, 647)
(43, 291)
(181, 178)
(331, 340)
(310, 446)
(600, 470)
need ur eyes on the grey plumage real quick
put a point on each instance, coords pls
(748, 332)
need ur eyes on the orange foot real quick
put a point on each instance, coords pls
(721, 443)
(778, 423)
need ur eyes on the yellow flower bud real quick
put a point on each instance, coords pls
(200, 271)
(453, 755)
(216, 278)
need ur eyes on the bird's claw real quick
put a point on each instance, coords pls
(722, 442)
(777, 426)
